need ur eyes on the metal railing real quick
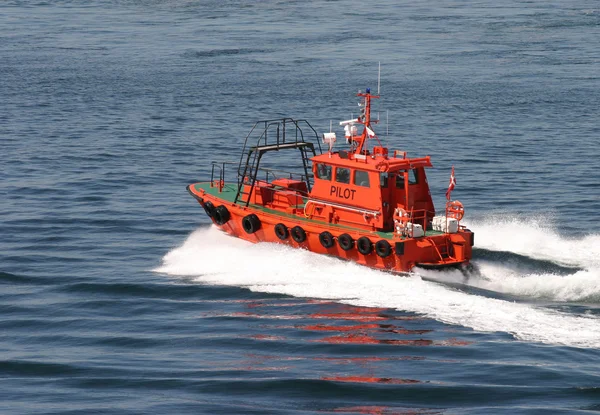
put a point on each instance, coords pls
(219, 167)
(421, 216)
(288, 134)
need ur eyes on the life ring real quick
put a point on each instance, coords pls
(221, 215)
(326, 239)
(209, 208)
(298, 234)
(345, 242)
(383, 248)
(401, 219)
(455, 210)
(251, 223)
(364, 245)
(281, 231)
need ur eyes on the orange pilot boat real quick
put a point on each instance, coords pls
(366, 205)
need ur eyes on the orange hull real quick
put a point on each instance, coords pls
(405, 253)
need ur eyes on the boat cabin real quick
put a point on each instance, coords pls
(368, 188)
(364, 190)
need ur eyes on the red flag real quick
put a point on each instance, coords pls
(451, 184)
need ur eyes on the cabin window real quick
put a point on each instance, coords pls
(383, 180)
(361, 178)
(324, 171)
(399, 180)
(342, 175)
(412, 178)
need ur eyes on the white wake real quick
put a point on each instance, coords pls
(212, 257)
(537, 238)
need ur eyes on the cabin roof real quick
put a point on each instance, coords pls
(378, 163)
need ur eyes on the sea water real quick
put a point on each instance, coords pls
(119, 296)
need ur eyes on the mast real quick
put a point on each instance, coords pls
(364, 119)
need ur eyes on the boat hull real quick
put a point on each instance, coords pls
(434, 250)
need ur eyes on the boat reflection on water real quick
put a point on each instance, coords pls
(340, 324)
(339, 345)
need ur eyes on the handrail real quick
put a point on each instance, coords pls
(374, 213)
(250, 157)
(421, 215)
(271, 174)
(221, 166)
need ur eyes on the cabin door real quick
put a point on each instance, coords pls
(397, 188)
(389, 199)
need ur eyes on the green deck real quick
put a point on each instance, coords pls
(230, 190)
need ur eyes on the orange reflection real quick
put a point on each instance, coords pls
(357, 317)
(323, 327)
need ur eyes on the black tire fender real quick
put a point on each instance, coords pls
(326, 239)
(383, 248)
(209, 208)
(345, 242)
(251, 223)
(221, 215)
(298, 234)
(364, 245)
(281, 231)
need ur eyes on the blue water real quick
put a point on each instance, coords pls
(117, 296)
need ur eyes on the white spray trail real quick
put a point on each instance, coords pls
(537, 238)
(214, 258)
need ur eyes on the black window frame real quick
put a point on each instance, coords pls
(329, 171)
(356, 183)
(415, 176)
(412, 178)
(384, 179)
(337, 169)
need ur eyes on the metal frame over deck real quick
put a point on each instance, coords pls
(248, 169)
